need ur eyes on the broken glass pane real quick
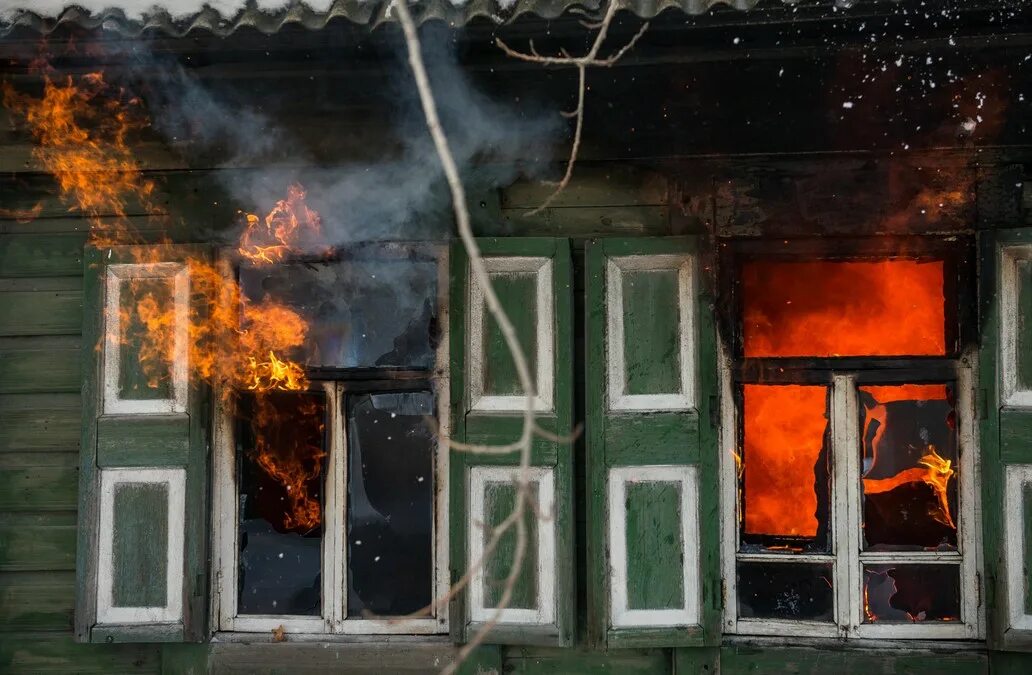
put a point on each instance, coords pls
(911, 593)
(390, 502)
(281, 467)
(361, 313)
(785, 468)
(797, 591)
(909, 467)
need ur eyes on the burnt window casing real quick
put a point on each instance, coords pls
(849, 444)
(339, 489)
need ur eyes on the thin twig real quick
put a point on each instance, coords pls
(480, 277)
(581, 63)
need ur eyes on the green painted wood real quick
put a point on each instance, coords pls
(628, 438)
(651, 332)
(697, 661)
(40, 422)
(583, 661)
(654, 543)
(517, 293)
(36, 601)
(802, 661)
(492, 428)
(51, 312)
(38, 488)
(139, 552)
(39, 365)
(1026, 515)
(657, 438)
(41, 255)
(140, 379)
(499, 502)
(593, 186)
(1024, 339)
(143, 440)
(37, 542)
(1015, 444)
(57, 653)
(582, 221)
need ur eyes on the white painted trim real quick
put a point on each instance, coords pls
(776, 627)
(1011, 256)
(545, 336)
(1017, 477)
(846, 516)
(479, 478)
(172, 610)
(115, 275)
(729, 494)
(684, 398)
(688, 613)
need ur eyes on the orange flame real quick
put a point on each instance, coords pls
(831, 308)
(85, 136)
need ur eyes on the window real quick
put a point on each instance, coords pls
(331, 502)
(849, 454)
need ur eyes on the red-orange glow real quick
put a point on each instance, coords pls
(784, 433)
(827, 308)
(289, 227)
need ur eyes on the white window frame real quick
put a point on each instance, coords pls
(544, 311)
(334, 620)
(172, 610)
(684, 399)
(687, 478)
(846, 556)
(178, 274)
(1011, 256)
(544, 478)
(1016, 478)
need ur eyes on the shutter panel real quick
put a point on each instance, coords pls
(143, 479)
(533, 281)
(1006, 432)
(653, 540)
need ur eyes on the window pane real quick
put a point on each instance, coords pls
(281, 465)
(794, 591)
(911, 593)
(786, 467)
(829, 308)
(390, 502)
(344, 302)
(909, 467)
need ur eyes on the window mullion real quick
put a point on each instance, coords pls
(845, 489)
(334, 516)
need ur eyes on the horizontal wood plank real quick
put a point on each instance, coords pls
(37, 601)
(42, 255)
(37, 542)
(44, 653)
(143, 440)
(40, 365)
(658, 438)
(41, 312)
(40, 422)
(610, 221)
(39, 488)
(1016, 436)
(593, 186)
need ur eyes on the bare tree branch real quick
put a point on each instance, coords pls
(581, 63)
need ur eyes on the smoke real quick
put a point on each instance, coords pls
(401, 195)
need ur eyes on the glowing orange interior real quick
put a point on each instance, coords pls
(784, 434)
(829, 308)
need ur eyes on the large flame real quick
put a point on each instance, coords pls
(831, 308)
(85, 132)
(784, 434)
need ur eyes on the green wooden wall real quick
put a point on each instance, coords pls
(40, 416)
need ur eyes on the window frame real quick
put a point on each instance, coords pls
(336, 384)
(843, 376)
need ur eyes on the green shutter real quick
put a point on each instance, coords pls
(533, 281)
(1005, 383)
(143, 484)
(653, 539)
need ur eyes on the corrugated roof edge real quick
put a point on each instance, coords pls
(365, 12)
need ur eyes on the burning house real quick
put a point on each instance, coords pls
(539, 337)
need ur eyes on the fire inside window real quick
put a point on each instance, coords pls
(340, 479)
(852, 470)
